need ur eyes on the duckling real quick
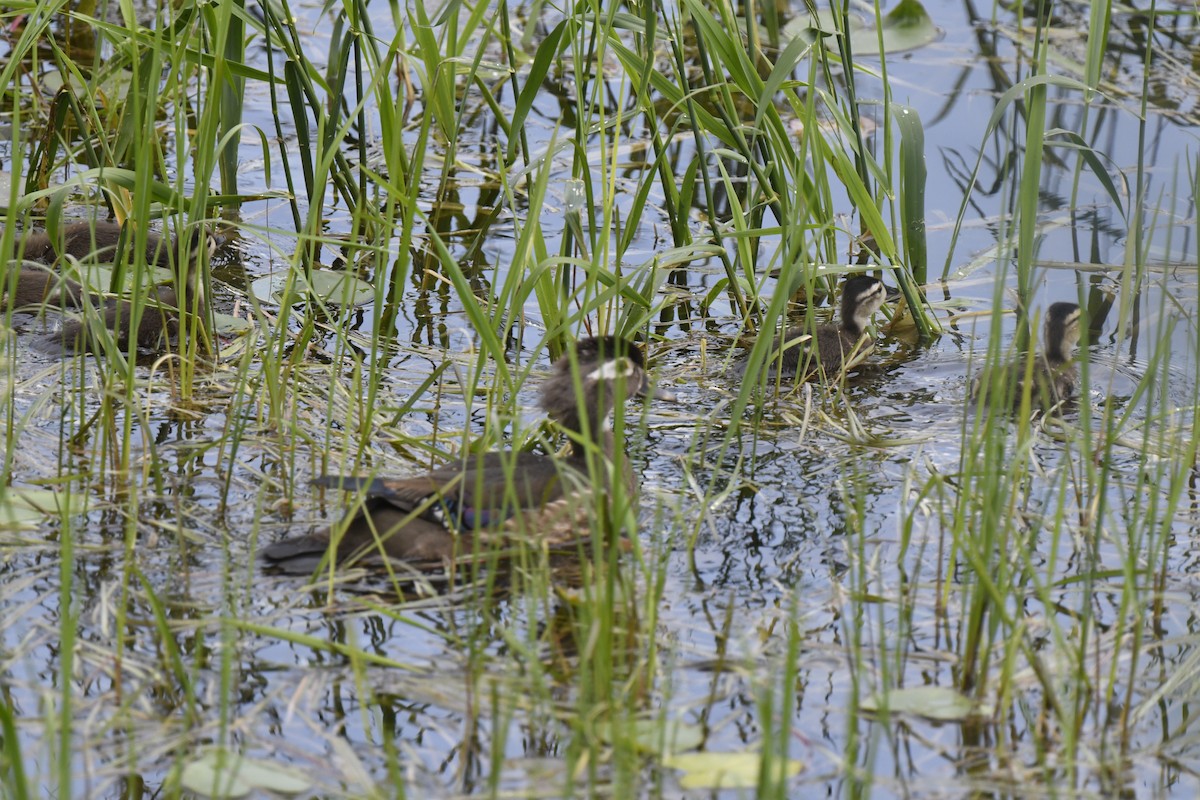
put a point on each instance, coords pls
(32, 285)
(1054, 373)
(425, 518)
(160, 311)
(26, 287)
(97, 241)
(831, 348)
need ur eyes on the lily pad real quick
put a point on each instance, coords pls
(99, 276)
(656, 736)
(45, 501)
(26, 507)
(932, 702)
(225, 775)
(112, 87)
(724, 770)
(229, 325)
(16, 517)
(906, 27)
(334, 288)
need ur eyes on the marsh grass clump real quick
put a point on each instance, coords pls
(791, 570)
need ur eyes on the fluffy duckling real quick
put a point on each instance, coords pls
(830, 348)
(1054, 373)
(97, 241)
(160, 311)
(428, 518)
(30, 286)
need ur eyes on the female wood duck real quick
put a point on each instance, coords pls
(428, 518)
(830, 348)
(160, 310)
(1054, 374)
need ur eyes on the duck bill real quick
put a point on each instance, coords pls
(654, 392)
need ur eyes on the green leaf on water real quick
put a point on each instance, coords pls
(229, 775)
(99, 277)
(112, 87)
(655, 736)
(724, 770)
(932, 702)
(229, 325)
(333, 288)
(25, 507)
(906, 27)
(14, 517)
(45, 501)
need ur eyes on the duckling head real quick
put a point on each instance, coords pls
(862, 296)
(191, 251)
(1062, 331)
(196, 245)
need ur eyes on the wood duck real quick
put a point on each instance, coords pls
(830, 348)
(160, 310)
(1054, 374)
(428, 517)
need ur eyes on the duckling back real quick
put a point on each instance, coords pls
(28, 287)
(97, 241)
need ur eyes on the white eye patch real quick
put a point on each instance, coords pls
(611, 370)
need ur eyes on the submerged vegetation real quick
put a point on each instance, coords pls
(847, 585)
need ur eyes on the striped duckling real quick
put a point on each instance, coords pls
(33, 284)
(1054, 373)
(831, 348)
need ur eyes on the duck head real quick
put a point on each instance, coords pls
(862, 296)
(584, 385)
(1062, 331)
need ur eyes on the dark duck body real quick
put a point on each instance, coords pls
(35, 285)
(830, 348)
(433, 518)
(1054, 374)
